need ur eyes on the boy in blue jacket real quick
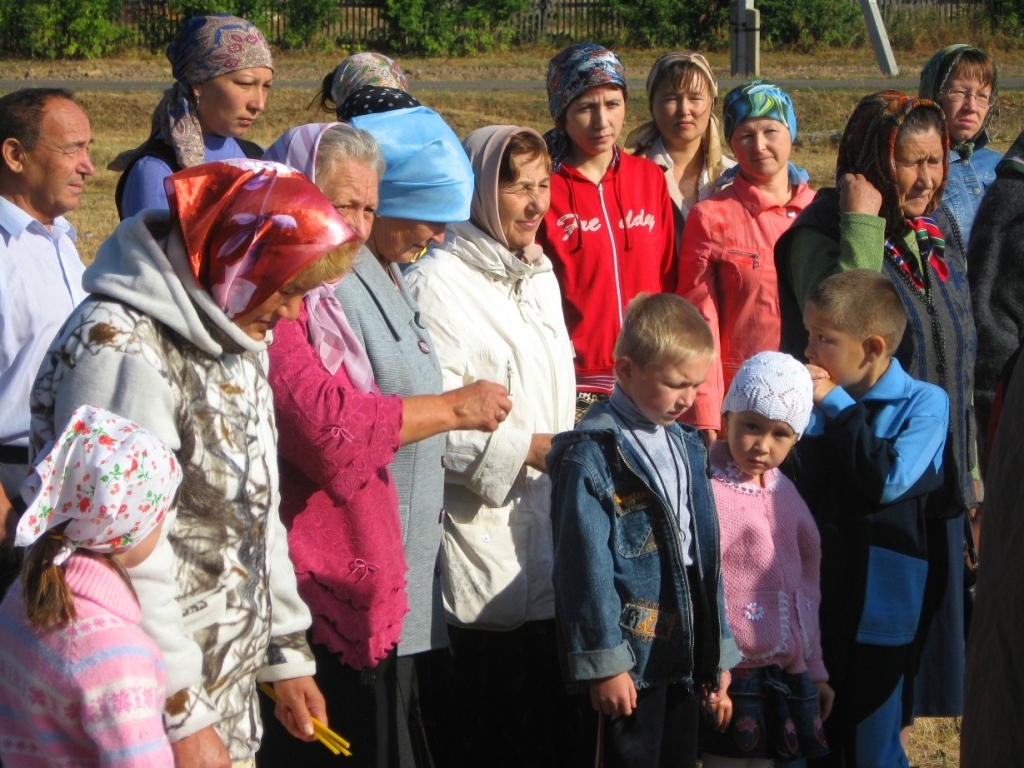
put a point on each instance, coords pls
(637, 571)
(865, 466)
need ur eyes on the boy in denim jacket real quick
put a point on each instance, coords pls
(637, 573)
(865, 466)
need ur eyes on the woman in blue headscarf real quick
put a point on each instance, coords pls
(223, 71)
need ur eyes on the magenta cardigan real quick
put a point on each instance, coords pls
(338, 500)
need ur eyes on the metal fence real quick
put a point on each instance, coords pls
(362, 22)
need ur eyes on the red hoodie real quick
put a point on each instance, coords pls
(608, 242)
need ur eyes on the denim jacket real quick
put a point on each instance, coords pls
(623, 597)
(966, 185)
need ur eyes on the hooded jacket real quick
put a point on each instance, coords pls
(495, 317)
(607, 243)
(218, 595)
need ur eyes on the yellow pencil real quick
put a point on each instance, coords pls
(333, 741)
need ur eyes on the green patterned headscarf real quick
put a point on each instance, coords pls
(757, 99)
(933, 80)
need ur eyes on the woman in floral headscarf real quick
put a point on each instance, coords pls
(963, 81)
(609, 232)
(726, 262)
(223, 71)
(351, 81)
(174, 338)
(885, 215)
(682, 136)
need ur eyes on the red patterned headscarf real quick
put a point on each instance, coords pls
(868, 147)
(251, 226)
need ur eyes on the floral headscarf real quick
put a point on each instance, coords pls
(933, 80)
(109, 479)
(250, 226)
(362, 69)
(329, 329)
(757, 99)
(571, 73)
(204, 48)
(640, 139)
(868, 147)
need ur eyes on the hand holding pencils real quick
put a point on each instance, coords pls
(334, 742)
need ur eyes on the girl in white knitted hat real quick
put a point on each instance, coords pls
(771, 555)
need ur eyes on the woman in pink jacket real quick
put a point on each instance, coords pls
(727, 260)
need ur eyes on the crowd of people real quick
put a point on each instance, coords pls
(517, 450)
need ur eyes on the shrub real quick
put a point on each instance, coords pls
(669, 23)
(450, 27)
(78, 29)
(807, 24)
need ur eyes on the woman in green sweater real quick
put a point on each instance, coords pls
(886, 215)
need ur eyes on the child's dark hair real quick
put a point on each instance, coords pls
(662, 328)
(862, 303)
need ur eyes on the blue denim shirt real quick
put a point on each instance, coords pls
(623, 597)
(966, 185)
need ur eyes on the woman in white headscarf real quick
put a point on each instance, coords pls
(493, 307)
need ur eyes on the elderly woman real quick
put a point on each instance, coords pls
(340, 433)
(492, 304)
(891, 171)
(223, 71)
(609, 231)
(727, 262)
(174, 338)
(682, 135)
(962, 80)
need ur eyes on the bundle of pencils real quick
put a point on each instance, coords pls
(333, 741)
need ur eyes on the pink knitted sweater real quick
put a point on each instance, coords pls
(338, 500)
(89, 693)
(771, 557)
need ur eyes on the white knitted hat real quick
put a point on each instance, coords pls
(774, 385)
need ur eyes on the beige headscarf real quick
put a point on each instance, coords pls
(640, 139)
(485, 146)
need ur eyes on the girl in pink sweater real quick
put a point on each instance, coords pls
(80, 682)
(771, 555)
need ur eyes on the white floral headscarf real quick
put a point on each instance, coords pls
(113, 480)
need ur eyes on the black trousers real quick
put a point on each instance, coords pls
(376, 709)
(662, 731)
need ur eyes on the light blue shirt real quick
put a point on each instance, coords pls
(966, 185)
(40, 285)
(144, 187)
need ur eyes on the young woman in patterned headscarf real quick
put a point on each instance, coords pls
(223, 71)
(609, 231)
(726, 262)
(682, 136)
(963, 81)
(886, 215)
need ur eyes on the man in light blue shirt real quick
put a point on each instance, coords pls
(44, 159)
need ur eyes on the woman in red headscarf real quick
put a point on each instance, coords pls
(174, 338)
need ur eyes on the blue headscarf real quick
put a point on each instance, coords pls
(756, 99)
(428, 176)
(571, 73)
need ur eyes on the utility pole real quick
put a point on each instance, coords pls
(879, 38)
(744, 38)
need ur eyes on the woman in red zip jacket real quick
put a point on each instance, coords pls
(609, 231)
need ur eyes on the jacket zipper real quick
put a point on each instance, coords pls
(528, 317)
(615, 251)
(674, 525)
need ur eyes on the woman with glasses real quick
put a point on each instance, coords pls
(962, 80)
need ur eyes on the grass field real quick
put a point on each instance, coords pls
(120, 120)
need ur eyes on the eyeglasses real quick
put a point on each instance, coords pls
(960, 95)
